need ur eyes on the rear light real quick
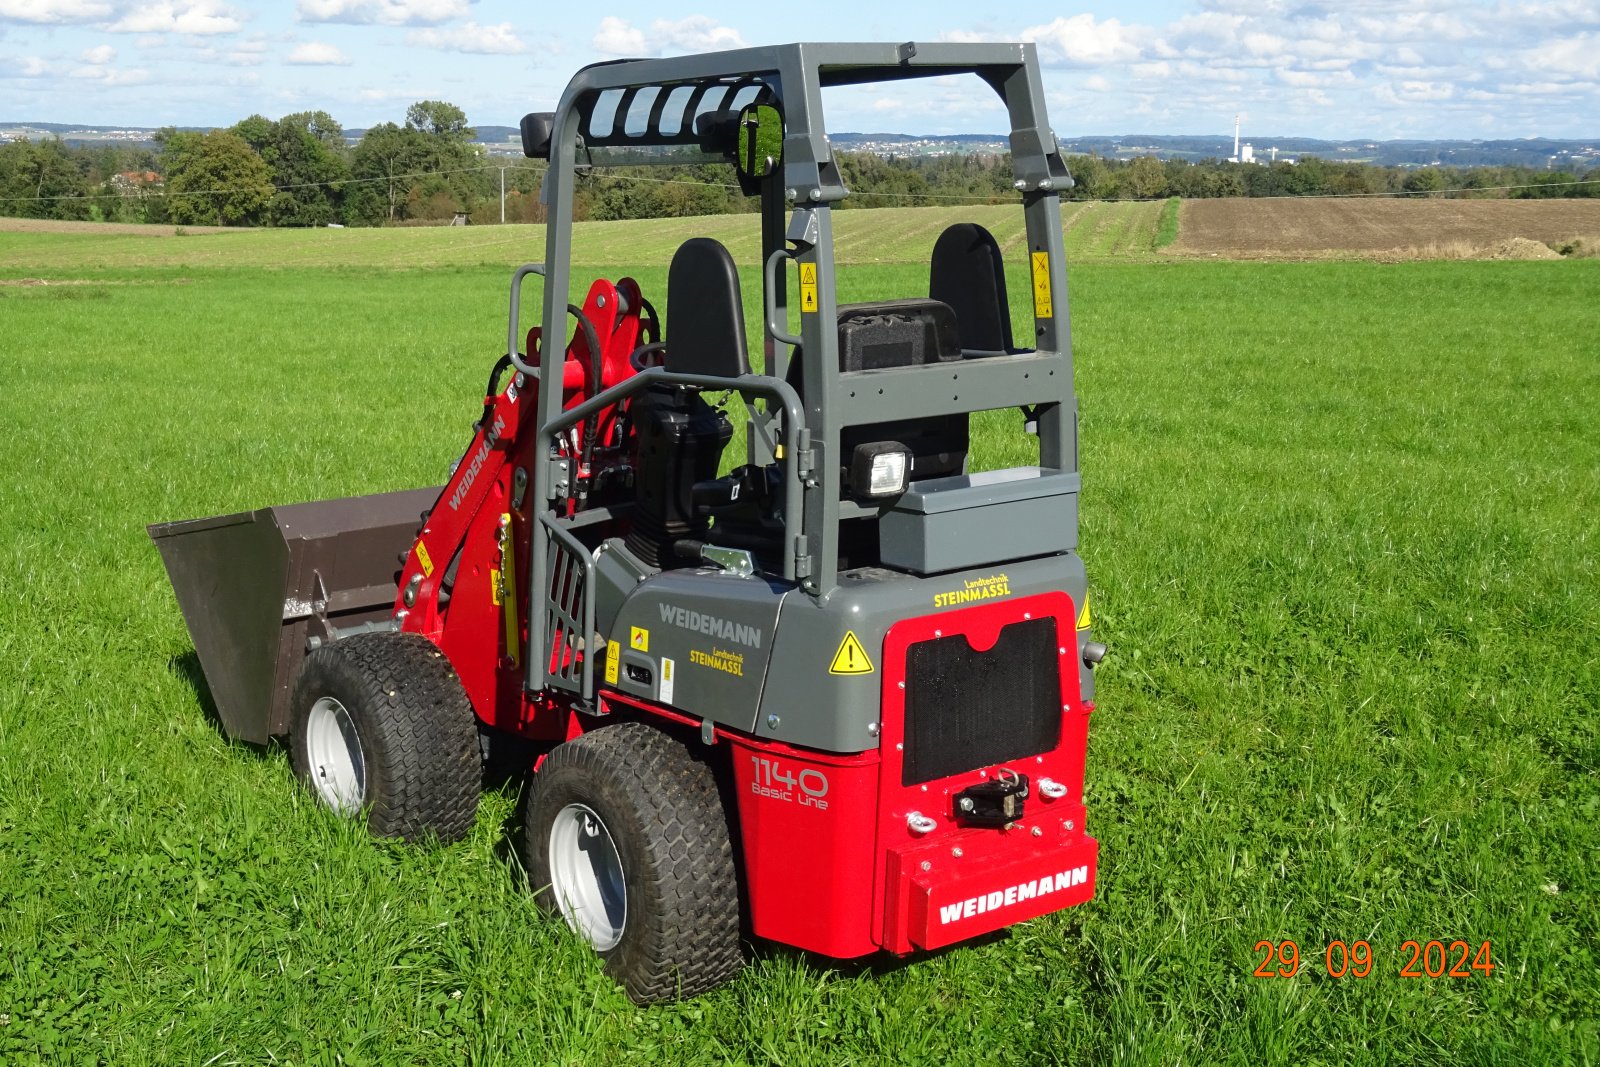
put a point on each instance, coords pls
(879, 469)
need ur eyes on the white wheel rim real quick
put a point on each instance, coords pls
(333, 751)
(586, 876)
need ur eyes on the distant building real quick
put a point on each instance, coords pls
(135, 182)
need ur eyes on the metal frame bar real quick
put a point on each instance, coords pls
(795, 561)
(795, 75)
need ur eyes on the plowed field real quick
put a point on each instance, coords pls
(1327, 228)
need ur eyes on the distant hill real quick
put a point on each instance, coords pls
(1527, 152)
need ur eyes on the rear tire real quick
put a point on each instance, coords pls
(626, 838)
(379, 724)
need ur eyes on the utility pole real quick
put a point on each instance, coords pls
(502, 196)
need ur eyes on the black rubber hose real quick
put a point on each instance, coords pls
(500, 366)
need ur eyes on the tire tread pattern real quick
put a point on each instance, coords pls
(417, 728)
(682, 932)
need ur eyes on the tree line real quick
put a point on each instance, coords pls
(301, 170)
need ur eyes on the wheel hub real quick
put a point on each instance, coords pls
(333, 750)
(586, 876)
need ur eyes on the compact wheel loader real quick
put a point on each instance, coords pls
(835, 695)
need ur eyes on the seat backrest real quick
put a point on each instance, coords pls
(968, 273)
(705, 313)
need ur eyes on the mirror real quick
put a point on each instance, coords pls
(536, 132)
(760, 140)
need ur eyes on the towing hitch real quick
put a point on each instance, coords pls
(995, 803)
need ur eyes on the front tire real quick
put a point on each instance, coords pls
(626, 838)
(379, 724)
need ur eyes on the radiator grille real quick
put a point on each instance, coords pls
(968, 709)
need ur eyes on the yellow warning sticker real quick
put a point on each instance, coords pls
(422, 558)
(1084, 621)
(639, 639)
(1041, 286)
(851, 657)
(808, 287)
(506, 586)
(613, 661)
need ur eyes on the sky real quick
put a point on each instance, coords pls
(1338, 70)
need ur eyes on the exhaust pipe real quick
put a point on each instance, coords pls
(257, 587)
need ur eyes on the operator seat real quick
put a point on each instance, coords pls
(968, 273)
(680, 437)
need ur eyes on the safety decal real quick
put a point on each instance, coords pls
(668, 679)
(639, 639)
(808, 287)
(505, 582)
(613, 661)
(423, 558)
(852, 656)
(1041, 286)
(1084, 621)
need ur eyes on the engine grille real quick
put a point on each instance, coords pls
(968, 709)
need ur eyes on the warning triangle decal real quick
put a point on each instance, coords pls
(851, 658)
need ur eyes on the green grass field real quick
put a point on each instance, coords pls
(1339, 523)
(887, 235)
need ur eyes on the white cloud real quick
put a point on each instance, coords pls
(618, 37)
(1417, 26)
(382, 12)
(27, 67)
(99, 55)
(52, 12)
(1309, 79)
(197, 17)
(112, 75)
(499, 39)
(1097, 84)
(695, 33)
(1422, 92)
(1574, 56)
(1081, 41)
(317, 54)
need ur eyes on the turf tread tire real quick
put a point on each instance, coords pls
(662, 807)
(418, 733)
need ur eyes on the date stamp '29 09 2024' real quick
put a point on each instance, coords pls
(1355, 959)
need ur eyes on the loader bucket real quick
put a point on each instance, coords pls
(255, 587)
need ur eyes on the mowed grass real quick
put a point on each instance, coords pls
(887, 235)
(1339, 526)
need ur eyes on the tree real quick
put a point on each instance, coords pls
(387, 158)
(214, 179)
(305, 153)
(1424, 180)
(42, 181)
(1145, 178)
(435, 118)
